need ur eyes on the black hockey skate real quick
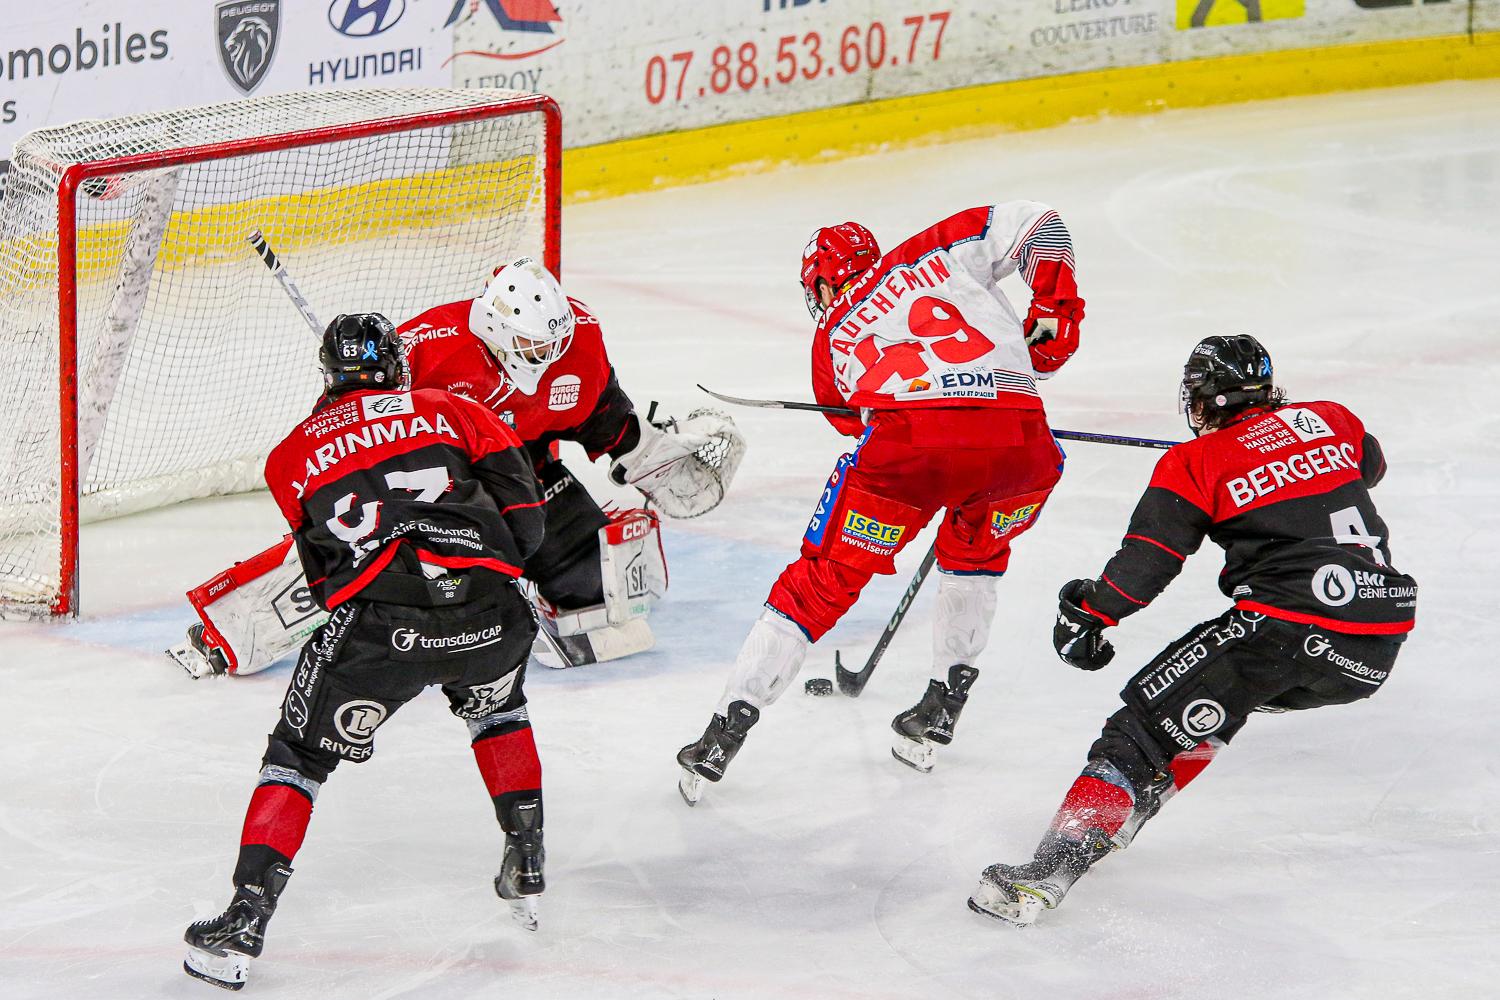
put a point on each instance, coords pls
(520, 880)
(197, 657)
(220, 949)
(921, 729)
(1017, 895)
(708, 758)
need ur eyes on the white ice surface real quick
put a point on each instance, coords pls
(1348, 852)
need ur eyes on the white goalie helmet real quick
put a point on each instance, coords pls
(524, 318)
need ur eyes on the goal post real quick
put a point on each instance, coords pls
(150, 356)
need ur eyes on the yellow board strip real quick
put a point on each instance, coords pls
(691, 157)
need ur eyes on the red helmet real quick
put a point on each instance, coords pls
(838, 255)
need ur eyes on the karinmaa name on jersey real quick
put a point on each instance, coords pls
(371, 435)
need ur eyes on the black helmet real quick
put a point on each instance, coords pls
(362, 351)
(1223, 376)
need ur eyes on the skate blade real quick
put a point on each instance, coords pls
(992, 900)
(690, 786)
(524, 911)
(189, 659)
(918, 755)
(225, 971)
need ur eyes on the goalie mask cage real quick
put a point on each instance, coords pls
(152, 357)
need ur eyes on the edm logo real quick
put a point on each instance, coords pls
(364, 18)
(968, 380)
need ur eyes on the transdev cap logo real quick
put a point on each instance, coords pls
(364, 18)
(247, 32)
(534, 16)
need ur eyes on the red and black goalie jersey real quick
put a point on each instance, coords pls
(370, 473)
(577, 399)
(1286, 494)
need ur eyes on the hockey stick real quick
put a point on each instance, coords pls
(853, 682)
(262, 247)
(844, 411)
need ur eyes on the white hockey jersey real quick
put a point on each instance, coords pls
(928, 325)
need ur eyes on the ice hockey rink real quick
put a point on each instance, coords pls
(1350, 852)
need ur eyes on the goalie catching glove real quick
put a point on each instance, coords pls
(683, 466)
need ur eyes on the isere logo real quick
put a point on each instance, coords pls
(364, 18)
(1002, 524)
(887, 536)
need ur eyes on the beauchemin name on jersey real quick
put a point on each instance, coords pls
(928, 326)
(1286, 494)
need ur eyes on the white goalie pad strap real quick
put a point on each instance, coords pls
(768, 661)
(961, 623)
(260, 610)
(684, 466)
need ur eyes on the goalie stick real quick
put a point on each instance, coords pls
(844, 411)
(272, 260)
(267, 254)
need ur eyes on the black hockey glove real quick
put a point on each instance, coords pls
(1078, 635)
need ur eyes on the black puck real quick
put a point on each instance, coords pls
(818, 686)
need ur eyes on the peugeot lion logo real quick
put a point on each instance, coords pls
(247, 32)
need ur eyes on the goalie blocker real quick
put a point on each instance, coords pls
(262, 609)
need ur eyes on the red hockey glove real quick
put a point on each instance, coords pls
(1051, 330)
(1078, 635)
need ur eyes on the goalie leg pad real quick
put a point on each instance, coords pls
(633, 571)
(254, 613)
(634, 567)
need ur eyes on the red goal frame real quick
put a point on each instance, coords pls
(67, 261)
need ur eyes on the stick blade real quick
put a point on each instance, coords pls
(850, 683)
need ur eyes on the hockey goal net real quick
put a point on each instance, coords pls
(153, 359)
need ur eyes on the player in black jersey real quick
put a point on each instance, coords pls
(1319, 612)
(413, 513)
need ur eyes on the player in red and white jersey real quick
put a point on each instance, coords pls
(412, 512)
(943, 374)
(1319, 612)
(537, 359)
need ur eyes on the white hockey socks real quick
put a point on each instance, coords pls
(961, 624)
(768, 661)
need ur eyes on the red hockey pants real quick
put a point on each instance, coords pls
(992, 469)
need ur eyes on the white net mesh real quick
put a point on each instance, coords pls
(192, 363)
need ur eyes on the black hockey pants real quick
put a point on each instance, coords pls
(1208, 682)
